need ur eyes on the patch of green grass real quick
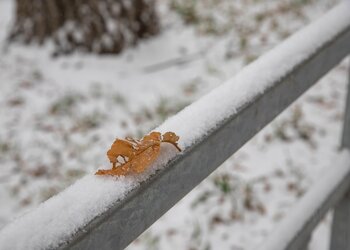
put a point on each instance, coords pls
(65, 104)
(89, 121)
(202, 198)
(151, 240)
(5, 147)
(118, 98)
(187, 10)
(223, 183)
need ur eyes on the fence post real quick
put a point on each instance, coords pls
(340, 235)
(345, 143)
(305, 245)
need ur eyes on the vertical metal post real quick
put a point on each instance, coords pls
(346, 129)
(340, 236)
(305, 245)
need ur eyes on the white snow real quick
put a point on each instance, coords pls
(308, 204)
(95, 195)
(55, 220)
(210, 110)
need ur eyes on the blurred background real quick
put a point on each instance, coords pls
(76, 74)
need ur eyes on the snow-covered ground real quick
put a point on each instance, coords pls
(59, 116)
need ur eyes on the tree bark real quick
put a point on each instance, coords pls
(98, 26)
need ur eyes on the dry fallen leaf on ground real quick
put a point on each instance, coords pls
(134, 156)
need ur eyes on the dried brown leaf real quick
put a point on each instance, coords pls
(134, 156)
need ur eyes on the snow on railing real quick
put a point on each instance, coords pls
(108, 213)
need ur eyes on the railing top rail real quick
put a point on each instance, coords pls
(104, 213)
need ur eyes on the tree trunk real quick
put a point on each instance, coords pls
(98, 26)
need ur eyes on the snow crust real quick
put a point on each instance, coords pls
(55, 220)
(308, 204)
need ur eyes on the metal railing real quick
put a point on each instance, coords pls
(116, 228)
(128, 218)
(337, 196)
